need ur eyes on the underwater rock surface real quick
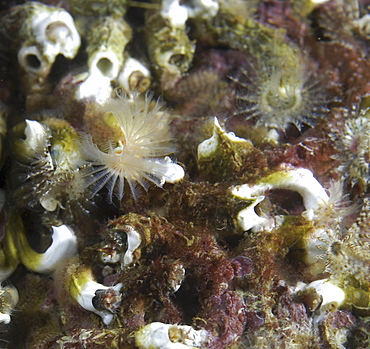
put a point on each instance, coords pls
(185, 174)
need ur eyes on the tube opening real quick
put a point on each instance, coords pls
(105, 66)
(33, 61)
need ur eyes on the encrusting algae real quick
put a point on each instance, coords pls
(184, 174)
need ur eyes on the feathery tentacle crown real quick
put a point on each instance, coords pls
(138, 154)
(276, 94)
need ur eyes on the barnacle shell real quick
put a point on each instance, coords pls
(105, 49)
(98, 7)
(169, 47)
(37, 138)
(166, 336)
(113, 250)
(138, 234)
(46, 32)
(300, 180)
(221, 153)
(332, 296)
(134, 76)
(51, 153)
(83, 288)
(64, 246)
(329, 296)
(106, 45)
(16, 249)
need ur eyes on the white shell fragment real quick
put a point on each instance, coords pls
(158, 335)
(299, 180)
